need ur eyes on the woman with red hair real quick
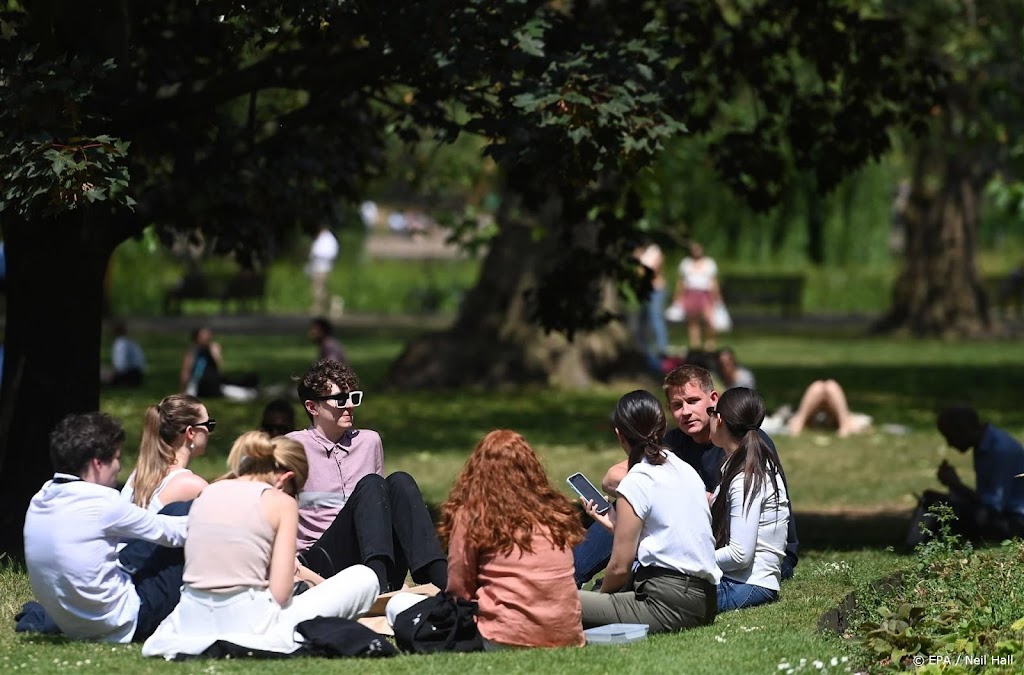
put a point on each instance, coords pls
(510, 537)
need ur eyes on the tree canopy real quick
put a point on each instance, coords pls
(247, 120)
(243, 119)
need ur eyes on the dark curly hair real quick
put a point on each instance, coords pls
(81, 437)
(318, 379)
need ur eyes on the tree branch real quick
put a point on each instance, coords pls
(305, 68)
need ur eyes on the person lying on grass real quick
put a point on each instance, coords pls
(750, 508)
(240, 560)
(661, 520)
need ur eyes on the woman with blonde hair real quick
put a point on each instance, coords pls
(510, 537)
(175, 430)
(240, 559)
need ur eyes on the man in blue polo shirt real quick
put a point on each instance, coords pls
(994, 510)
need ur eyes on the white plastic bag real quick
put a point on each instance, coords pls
(675, 312)
(720, 319)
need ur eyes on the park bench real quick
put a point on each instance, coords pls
(784, 291)
(247, 289)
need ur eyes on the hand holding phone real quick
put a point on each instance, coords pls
(584, 488)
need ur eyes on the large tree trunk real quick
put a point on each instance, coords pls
(938, 291)
(52, 349)
(494, 342)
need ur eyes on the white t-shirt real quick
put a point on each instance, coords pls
(323, 252)
(71, 535)
(676, 533)
(698, 275)
(757, 536)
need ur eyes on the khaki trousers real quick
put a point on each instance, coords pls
(666, 603)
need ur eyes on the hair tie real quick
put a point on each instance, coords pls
(753, 427)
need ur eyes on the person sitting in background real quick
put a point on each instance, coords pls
(128, 363)
(240, 560)
(824, 405)
(510, 537)
(750, 507)
(202, 371)
(73, 527)
(733, 374)
(278, 418)
(321, 332)
(662, 521)
(994, 510)
(174, 431)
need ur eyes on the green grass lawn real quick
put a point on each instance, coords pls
(851, 496)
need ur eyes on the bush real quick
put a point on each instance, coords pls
(958, 610)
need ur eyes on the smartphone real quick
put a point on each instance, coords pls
(584, 488)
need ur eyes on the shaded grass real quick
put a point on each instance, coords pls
(430, 433)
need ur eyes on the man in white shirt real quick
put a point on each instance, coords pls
(322, 254)
(73, 527)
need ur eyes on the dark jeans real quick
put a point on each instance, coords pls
(591, 555)
(384, 519)
(156, 571)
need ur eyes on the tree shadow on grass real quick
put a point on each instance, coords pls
(852, 531)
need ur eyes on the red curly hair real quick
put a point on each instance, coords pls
(504, 492)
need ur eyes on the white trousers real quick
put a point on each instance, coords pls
(252, 618)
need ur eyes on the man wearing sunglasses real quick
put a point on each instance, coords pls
(349, 513)
(691, 396)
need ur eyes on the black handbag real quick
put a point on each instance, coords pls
(441, 623)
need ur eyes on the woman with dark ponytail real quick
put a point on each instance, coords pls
(662, 521)
(750, 508)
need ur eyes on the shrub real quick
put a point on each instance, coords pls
(957, 609)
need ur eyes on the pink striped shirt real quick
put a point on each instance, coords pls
(334, 470)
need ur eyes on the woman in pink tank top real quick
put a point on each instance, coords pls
(240, 565)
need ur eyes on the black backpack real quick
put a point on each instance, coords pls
(441, 623)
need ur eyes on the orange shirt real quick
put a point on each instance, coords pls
(525, 599)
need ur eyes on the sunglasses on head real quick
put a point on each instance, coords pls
(342, 398)
(210, 425)
(712, 411)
